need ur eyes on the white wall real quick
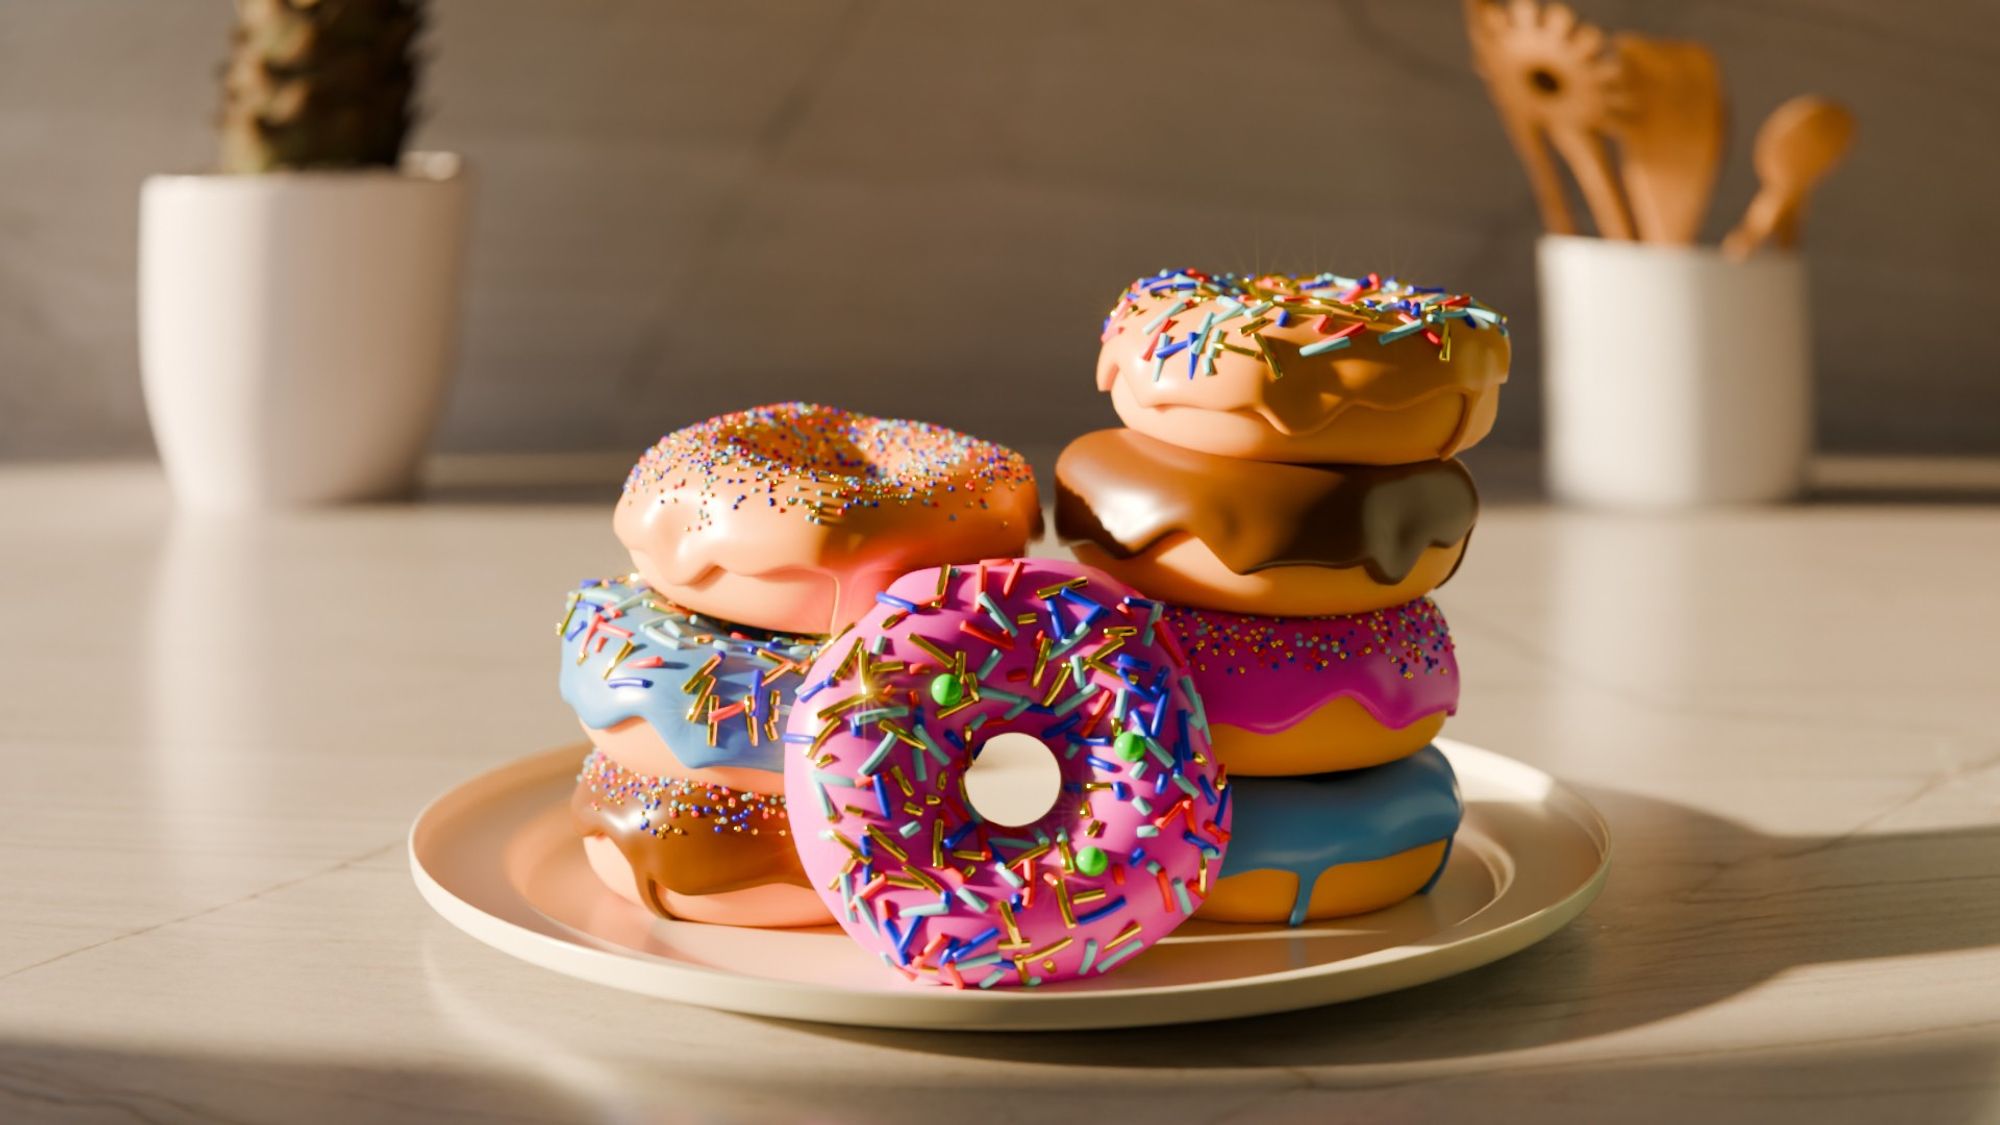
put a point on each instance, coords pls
(925, 207)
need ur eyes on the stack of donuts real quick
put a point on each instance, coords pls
(753, 536)
(832, 689)
(1285, 483)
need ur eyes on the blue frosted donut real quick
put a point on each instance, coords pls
(1334, 844)
(716, 694)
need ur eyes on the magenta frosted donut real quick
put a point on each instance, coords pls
(891, 719)
(1305, 695)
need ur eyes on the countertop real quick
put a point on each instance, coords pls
(216, 732)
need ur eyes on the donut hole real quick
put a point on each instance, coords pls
(1014, 779)
(1545, 81)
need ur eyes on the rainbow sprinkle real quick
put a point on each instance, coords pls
(823, 463)
(1340, 309)
(715, 692)
(1412, 637)
(660, 801)
(1144, 810)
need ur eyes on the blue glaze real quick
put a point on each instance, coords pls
(605, 696)
(1306, 825)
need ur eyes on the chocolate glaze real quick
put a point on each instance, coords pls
(683, 850)
(1125, 492)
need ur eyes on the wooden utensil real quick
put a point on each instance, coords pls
(1554, 85)
(1796, 147)
(1583, 150)
(1486, 25)
(1670, 140)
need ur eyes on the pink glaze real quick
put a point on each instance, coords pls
(1266, 674)
(875, 787)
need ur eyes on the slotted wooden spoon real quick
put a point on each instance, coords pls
(1670, 139)
(1796, 147)
(1555, 87)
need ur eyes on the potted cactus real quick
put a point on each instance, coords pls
(299, 305)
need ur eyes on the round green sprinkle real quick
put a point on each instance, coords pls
(1131, 745)
(1092, 861)
(946, 690)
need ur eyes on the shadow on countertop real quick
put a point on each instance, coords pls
(1697, 909)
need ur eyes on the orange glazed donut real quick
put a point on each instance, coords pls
(1319, 368)
(1257, 537)
(793, 517)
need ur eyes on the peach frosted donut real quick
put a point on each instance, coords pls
(1314, 368)
(1260, 537)
(680, 806)
(794, 516)
(1305, 695)
(1334, 844)
(1031, 669)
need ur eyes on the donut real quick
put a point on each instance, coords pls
(680, 804)
(792, 517)
(901, 720)
(1313, 368)
(1335, 844)
(691, 848)
(1307, 695)
(1259, 537)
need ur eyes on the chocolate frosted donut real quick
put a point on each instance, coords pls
(1313, 368)
(1243, 536)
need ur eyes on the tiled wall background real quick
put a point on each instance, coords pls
(923, 206)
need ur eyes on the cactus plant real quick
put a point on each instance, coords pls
(319, 83)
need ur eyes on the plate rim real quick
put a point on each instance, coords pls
(1394, 968)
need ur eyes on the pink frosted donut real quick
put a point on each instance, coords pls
(892, 719)
(1306, 695)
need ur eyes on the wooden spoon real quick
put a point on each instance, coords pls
(1670, 140)
(1797, 146)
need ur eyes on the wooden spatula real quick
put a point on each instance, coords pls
(1670, 139)
(1796, 147)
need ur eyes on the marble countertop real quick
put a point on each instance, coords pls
(215, 734)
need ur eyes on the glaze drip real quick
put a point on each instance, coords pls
(1309, 825)
(716, 693)
(1125, 492)
(1301, 351)
(683, 836)
(1266, 674)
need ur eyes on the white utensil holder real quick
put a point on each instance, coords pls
(1673, 376)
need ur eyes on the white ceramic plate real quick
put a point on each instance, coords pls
(495, 856)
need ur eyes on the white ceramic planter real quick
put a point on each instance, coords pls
(297, 330)
(1674, 377)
